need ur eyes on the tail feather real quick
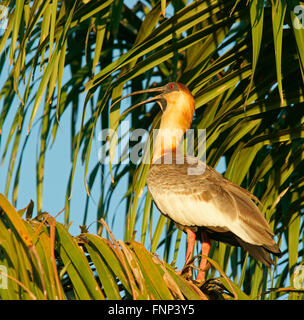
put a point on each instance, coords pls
(260, 253)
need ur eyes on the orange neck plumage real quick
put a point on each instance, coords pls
(176, 120)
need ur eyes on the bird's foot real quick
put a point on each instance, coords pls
(201, 276)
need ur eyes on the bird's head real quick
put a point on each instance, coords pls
(177, 104)
(172, 97)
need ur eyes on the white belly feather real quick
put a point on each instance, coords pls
(188, 211)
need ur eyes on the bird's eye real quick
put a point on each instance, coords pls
(171, 86)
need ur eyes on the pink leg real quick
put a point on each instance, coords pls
(205, 251)
(190, 245)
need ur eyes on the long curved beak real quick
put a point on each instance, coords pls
(159, 99)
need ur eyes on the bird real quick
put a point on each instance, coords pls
(200, 201)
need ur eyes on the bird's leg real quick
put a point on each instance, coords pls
(190, 247)
(205, 251)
